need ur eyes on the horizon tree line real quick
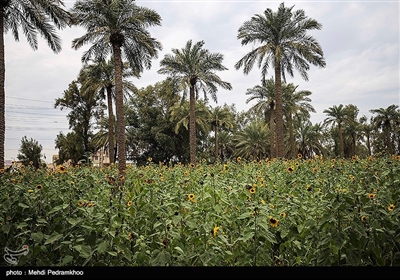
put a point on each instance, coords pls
(277, 126)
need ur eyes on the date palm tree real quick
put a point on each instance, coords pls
(33, 17)
(384, 118)
(265, 96)
(118, 27)
(336, 115)
(195, 68)
(250, 142)
(295, 103)
(284, 45)
(99, 77)
(220, 117)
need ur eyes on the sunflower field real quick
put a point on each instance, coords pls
(299, 212)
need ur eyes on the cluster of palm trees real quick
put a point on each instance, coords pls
(121, 47)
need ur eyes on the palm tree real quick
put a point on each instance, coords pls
(99, 76)
(336, 115)
(295, 102)
(250, 142)
(195, 68)
(308, 139)
(265, 94)
(220, 117)
(366, 130)
(32, 17)
(180, 115)
(384, 118)
(284, 45)
(117, 27)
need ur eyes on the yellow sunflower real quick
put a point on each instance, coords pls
(214, 231)
(39, 187)
(371, 195)
(252, 190)
(290, 169)
(363, 218)
(129, 204)
(61, 169)
(391, 207)
(191, 197)
(273, 221)
(283, 215)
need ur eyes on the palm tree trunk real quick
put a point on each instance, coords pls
(120, 111)
(216, 141)
(291, 137)
(273, 134)
(388, 140)
(341, 144)
(280, 146)
(2, 91)
(110, 125)
(192, 125)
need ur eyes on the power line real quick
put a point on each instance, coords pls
(30, 99)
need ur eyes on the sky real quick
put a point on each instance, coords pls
(360, 41)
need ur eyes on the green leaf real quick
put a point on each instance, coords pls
(102, 247)
(74, 221)
(66, 260)
(54, 237)
(37, 236)
(84, 250)
(23, 205)
(244, 215)
(179, 249)
(55, 209)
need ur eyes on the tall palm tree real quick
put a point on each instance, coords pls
(33, 17)
(117, 27)
(285, 45)
(384, 118)
(336, 115)
(195, 67)
(366, 131)
(295, 102)
(265, 94)
(99, 76)
(220, 117)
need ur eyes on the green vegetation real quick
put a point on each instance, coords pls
(299, 212)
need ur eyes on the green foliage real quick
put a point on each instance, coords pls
(314, 212)
(30, 152)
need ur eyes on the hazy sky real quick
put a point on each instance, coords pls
(360, 40)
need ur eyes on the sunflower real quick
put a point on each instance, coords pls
(165, 242)
(191, 197)
(129, 204)
(371, 195)
(290, 169)
(214, 231)
(61, 169)
(391, 207)
(273, 222)
(299, 155)
(192, 165)
(31, 163)
(283, 214)
(80, 203)
(315, 169)
(39, 187)
(252, 190)
(308, 188)
(363, 218)
(238, 159)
